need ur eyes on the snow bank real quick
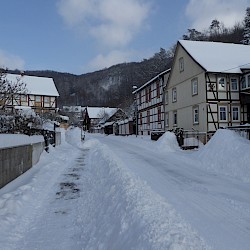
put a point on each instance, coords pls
(122, 212)
(167, 143)
(12, 140)
(226, 153)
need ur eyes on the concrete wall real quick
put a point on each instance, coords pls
(17, 160)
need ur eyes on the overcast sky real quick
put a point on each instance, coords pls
(80, 36)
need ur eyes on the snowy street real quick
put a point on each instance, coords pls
(113, 192)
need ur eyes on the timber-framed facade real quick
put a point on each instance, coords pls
(149, 104)
(41, 94)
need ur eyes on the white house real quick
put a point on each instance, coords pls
(208, 87)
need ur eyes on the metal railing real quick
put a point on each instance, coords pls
(242, 130)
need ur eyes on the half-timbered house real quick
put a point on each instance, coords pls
(149, 104)
(41, 94)
(208, 87)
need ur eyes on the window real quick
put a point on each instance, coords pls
(174, 95)
(245, 84)
(196, 115)
(158, 89)
(234, 84)
(194, 83)
(223, 113)
(159, 114)
(166, 120)
(46, 99)
(140, 122)
(221, 83)
(235, 113)
(146, 94)
(149, 93)
(148, 117)
(139, 98)
(175, 118)
(38, 98)
(181, 64)
(23, 98)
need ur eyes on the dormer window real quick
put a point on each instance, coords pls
(245, 83)
(221, 83)
(234, 83)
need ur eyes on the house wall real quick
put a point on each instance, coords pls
(186, 102)
(150, 105)
(226, 97)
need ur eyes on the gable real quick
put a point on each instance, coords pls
(190, 67)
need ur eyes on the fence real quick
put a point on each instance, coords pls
(242, 130)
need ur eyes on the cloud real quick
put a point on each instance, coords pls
(202, 12)
(113, 23)
(112, 58)
(11, 61)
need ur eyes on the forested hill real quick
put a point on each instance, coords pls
(108, 87)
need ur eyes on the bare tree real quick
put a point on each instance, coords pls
(8, 89)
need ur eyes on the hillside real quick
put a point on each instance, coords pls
(108, 87)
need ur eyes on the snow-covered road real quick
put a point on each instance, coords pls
(127, 193)
(217, 206)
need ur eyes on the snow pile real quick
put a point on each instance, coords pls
(167, 143)
(122, 212)
(227, 153)
(12, 140)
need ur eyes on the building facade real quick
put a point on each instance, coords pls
(149, 104)
(41, 94)
(208, 88)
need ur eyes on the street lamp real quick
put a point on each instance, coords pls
(136, 110)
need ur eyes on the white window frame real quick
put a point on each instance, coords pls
(223, 112)
(174, 95)
(220, 86)
(181, 64)
(246, 82)
(194, 83)
(232, 84)
(238, 113)
(196, 115)
(175, 118)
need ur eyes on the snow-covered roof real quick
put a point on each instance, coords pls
(97, 112)
(151, 80)
(217, 56)
(36, 85)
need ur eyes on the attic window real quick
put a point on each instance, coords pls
(181, 64)
(221, 83)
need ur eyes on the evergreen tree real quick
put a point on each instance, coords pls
(246, 33)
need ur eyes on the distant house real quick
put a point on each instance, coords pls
(41, 93)
(94, 118)
(125, 127)
(149, 104)
(208, 87)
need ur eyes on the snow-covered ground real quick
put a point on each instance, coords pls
(113, 192)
